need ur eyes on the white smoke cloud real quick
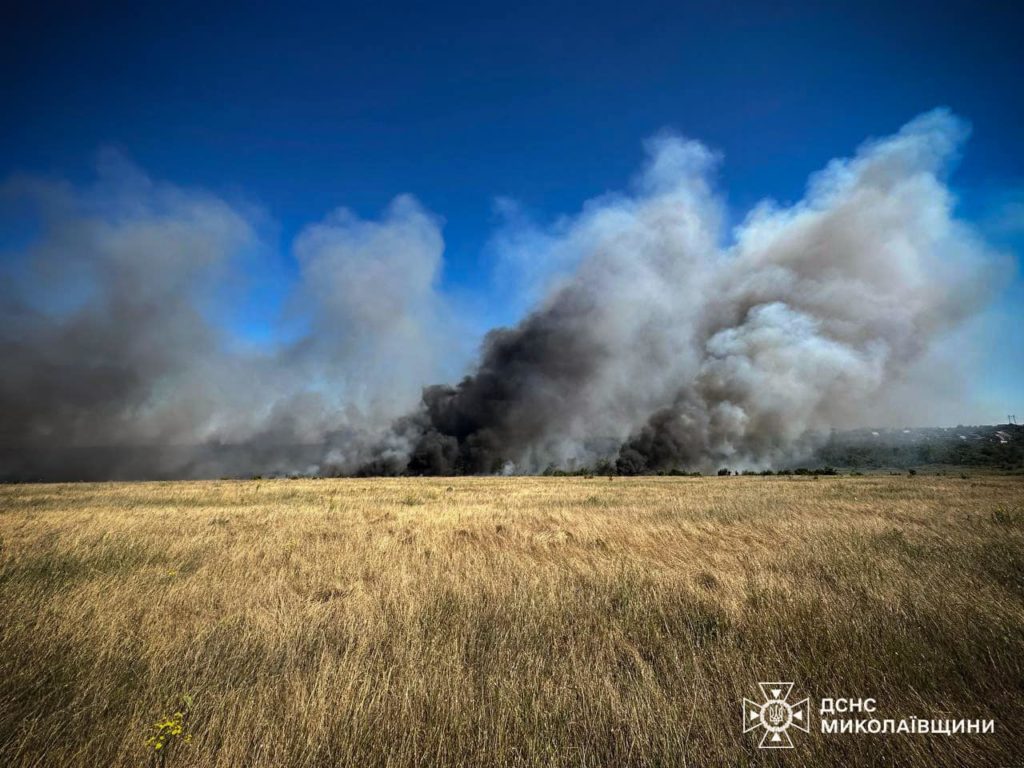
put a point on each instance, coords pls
(821, 308)
(379, 322)
(109, 339)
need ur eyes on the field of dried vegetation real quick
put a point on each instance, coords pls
(504, 621)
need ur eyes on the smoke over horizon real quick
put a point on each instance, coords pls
(661, 339)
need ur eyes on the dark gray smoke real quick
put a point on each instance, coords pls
(685, 353)
(662, 340)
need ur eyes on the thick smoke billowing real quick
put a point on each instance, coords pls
(663, 340)
(683, 352)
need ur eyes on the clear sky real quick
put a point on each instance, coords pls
(301, 108)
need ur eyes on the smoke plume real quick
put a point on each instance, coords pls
(663, 339)
(667, 349)
(116, 358)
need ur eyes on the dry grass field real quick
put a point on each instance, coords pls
(505, 621)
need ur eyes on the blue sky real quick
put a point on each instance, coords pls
(302, 109)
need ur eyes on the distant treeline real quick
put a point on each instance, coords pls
(971, 447)
(993, 447)
(611, 470)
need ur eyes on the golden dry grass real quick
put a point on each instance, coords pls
(506, 621)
